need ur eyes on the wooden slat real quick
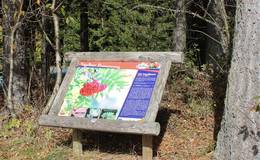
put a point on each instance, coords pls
(77, 144)
(158, 91)
(145, 128)
(175, 57)
(147, 147)
(63, 88)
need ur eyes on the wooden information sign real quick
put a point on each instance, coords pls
(112, 92)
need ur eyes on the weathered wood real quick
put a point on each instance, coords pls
(175, 57)
(158, 91)
(147, 148)
(77, 144)
(117, 126)
(63, 88)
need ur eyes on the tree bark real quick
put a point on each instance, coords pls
(15, 55)
(47, 52)
(220, 31)
(57, 58)
(239, 137)
(179, 34)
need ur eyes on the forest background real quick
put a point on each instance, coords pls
(37, 33)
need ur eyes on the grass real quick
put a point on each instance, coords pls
(201, 107)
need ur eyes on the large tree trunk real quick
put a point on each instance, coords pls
(239, 137)
(19, 78)
(179, 34)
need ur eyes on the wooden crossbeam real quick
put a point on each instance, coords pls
(116, 126)
(174, 57)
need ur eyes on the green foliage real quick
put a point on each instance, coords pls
(118, 25)
(121, 27)
(48, 134)
(201, 107)
(192, 56)
(38, 48)
(71, 32)
(29, 126)
(113, 78)
(57, 154)
(13, 123)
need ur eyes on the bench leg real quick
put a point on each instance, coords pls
(77, 145)
(147, 142)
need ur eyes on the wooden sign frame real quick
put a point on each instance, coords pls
(146, 128)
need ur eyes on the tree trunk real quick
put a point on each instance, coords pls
(84, 46)
(179, 34)
(57, 58)
(19, 75)
(21, 68)
(239, 137)
(47, 52)
(219, 32)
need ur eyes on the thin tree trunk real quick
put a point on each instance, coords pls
(10, 81)
(47, 52)
(239, 137)
(221, 33)
(58, 59)
(179, 34)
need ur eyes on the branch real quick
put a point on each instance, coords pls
(212, 38)
(174, 10)
(46, 36)
(58, 7)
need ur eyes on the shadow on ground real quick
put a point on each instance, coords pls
(219, 85)
(123, 143)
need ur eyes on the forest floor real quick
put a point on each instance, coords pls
(187, 129)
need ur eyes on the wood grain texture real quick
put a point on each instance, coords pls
(117, 126)
(63, 88)
(147, 147)
(175, 57)
(77, 144)
(158, 91)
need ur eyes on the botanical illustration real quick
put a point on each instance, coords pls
(100, 91)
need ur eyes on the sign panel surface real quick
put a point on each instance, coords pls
(110, 90)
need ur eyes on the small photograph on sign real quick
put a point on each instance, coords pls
(93, 113)
(110, 90)
(108, 114)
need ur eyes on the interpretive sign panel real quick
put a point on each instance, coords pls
(110, 90)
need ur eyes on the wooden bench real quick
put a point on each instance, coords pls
(147, 128)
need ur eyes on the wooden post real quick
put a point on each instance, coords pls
(77, 145)
(147, 141)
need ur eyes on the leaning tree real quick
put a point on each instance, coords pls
(239, 137)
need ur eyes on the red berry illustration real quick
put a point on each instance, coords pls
(156, 65)
(92, 88)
